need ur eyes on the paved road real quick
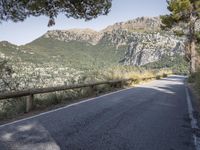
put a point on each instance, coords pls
(153, 116)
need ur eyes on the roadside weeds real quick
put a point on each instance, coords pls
(66, 102)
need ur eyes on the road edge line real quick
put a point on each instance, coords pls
(67, 106)
(193, 121)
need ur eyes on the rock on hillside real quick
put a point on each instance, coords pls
(65, 56)
(86, 35)
(147, 48)
(140, 38)
(139, 24)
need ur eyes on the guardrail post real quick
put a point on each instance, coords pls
(29, 102)
(119, 84)
(131, 81)
(93, 89)
(113, 85)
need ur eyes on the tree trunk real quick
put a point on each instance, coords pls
(193, 57)
(192, 45)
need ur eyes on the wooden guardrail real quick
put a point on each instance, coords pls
(31, 92)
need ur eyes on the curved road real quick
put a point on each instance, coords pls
(153, 116)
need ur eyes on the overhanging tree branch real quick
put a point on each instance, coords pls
(19, 10)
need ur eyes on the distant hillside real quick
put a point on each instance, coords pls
(141, 24)
(76, 54)
(63, 55)
(136, 42)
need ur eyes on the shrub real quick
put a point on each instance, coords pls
(165, 75)
(10, 108)
(158, 77)
(192, 78)
(195, 78)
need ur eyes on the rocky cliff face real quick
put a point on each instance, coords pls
(67, 56)
(139, 24)
(141, 37)
(86, 35)
(147, 48)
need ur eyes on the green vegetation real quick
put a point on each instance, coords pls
(195, 79)
(187, 12)
(12, 107)
(47, 62)
(176, 63)
(19, 10)
(79, 55)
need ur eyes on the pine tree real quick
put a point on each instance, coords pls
(19, 10)
(187, 12)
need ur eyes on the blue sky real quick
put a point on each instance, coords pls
(122, 10)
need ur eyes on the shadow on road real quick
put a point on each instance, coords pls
(147, 117)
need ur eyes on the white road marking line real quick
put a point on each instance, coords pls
(51, 111)
(193, 120)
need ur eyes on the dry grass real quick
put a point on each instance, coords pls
(9, 109)
(134, 73)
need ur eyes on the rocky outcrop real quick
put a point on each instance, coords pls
(147, 48)
(47, 62)
(86, 35)
(142, 38)
(140, 24)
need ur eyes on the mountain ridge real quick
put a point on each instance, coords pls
(134, 42)
(109, 28)
(66, 56)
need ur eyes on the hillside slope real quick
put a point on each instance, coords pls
(62, 56)
(135, 42)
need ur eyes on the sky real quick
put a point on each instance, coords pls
(122, 10)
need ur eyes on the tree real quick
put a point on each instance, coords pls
(187, 12)
(19, 10)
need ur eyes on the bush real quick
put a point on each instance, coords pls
(192, 78)
(10, 108)
(158, 77)
(177, 64)
(195, 79)
(165, 75)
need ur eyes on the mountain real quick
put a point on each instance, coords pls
(68, 53)
(141, 24)
(136, 42)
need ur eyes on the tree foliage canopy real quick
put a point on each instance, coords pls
(187, 12)
(181, 11)
(19, 10)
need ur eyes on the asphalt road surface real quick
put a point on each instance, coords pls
(153, 116)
